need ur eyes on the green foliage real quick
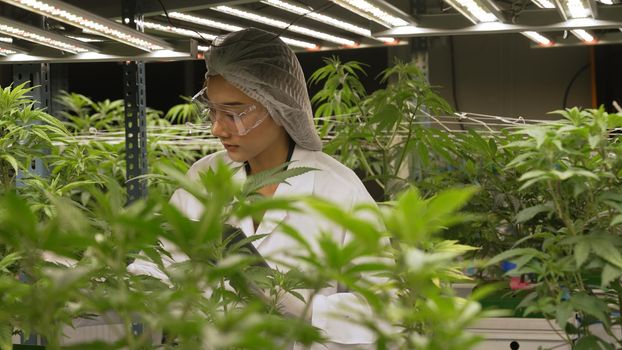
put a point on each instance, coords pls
(574, 166)
(66, 240)
(407, 286)
(182, 113)
(25, 133)
(377, 132)
(340, 96)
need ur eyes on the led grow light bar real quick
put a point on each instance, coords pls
(75, 16)
(372, 12)
(584, 35)
(40, 36)
(8, 49)
(282, 25)
(85, 39)
(575, 8)
(299, 10)
(5, 39)
(177, 30)
(233, 28)
(473, 11)
(545, 4)
(538, 38)
(205, 21)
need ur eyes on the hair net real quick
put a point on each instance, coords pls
(263, 67)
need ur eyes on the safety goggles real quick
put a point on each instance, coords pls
(237, 119)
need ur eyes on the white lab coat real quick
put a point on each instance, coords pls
(332, 181)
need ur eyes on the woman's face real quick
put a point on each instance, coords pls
(241, 148)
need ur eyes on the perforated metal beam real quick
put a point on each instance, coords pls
(135, 116)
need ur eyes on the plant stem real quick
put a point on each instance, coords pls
(408, 137)
(561, 212)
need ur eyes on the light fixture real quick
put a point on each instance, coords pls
(5, 39)
(299, 10)
(42, 37)
(538, 38)
(233, 28)
(9, 49)
(177, 30)
(85, 39)
(545, 4)
(606, 2)
(575, 8)
(102, 26)
(472, 10)
(283, 25)
(202, 48)
(205, 21)
(373, 12)
(584, 35)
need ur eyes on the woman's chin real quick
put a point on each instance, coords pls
(236, 156)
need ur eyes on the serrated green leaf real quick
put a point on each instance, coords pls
(563, 312)
(609, 274)
(581, 252)
(528, 213)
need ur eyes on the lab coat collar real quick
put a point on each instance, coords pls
(295, 186)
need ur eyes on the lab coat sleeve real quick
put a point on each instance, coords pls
(336, 313)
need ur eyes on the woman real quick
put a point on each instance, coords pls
(256, 98)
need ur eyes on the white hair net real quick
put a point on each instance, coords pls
(263, 67)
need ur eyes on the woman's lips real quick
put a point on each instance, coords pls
(230, 148)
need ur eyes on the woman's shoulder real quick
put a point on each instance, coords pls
(333, 177)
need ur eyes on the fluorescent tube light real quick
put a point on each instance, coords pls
(233, 28)
(5, 39)
(299, 43)
(575, 9)
(299, 10)
(6, 52)
(42, 37)
(9, 49)
(85, 39)
(538, 38)
(83, 19)
(205, 21)
(372, 12)
(282, 24)
(473, 11)
(545, 4)
(606, 2)
(177, 30)
(584, 36)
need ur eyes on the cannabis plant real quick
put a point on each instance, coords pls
(574, 250)
(26, 133)
(377, 132)
(74, 264)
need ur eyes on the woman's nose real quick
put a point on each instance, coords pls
(218, 130)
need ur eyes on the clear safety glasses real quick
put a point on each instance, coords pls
(237, 119)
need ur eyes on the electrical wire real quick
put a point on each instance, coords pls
(452, 58)
(574, 78)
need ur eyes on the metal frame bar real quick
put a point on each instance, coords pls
(135, 113)
(539, 20)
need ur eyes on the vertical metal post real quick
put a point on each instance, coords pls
(135, 116)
